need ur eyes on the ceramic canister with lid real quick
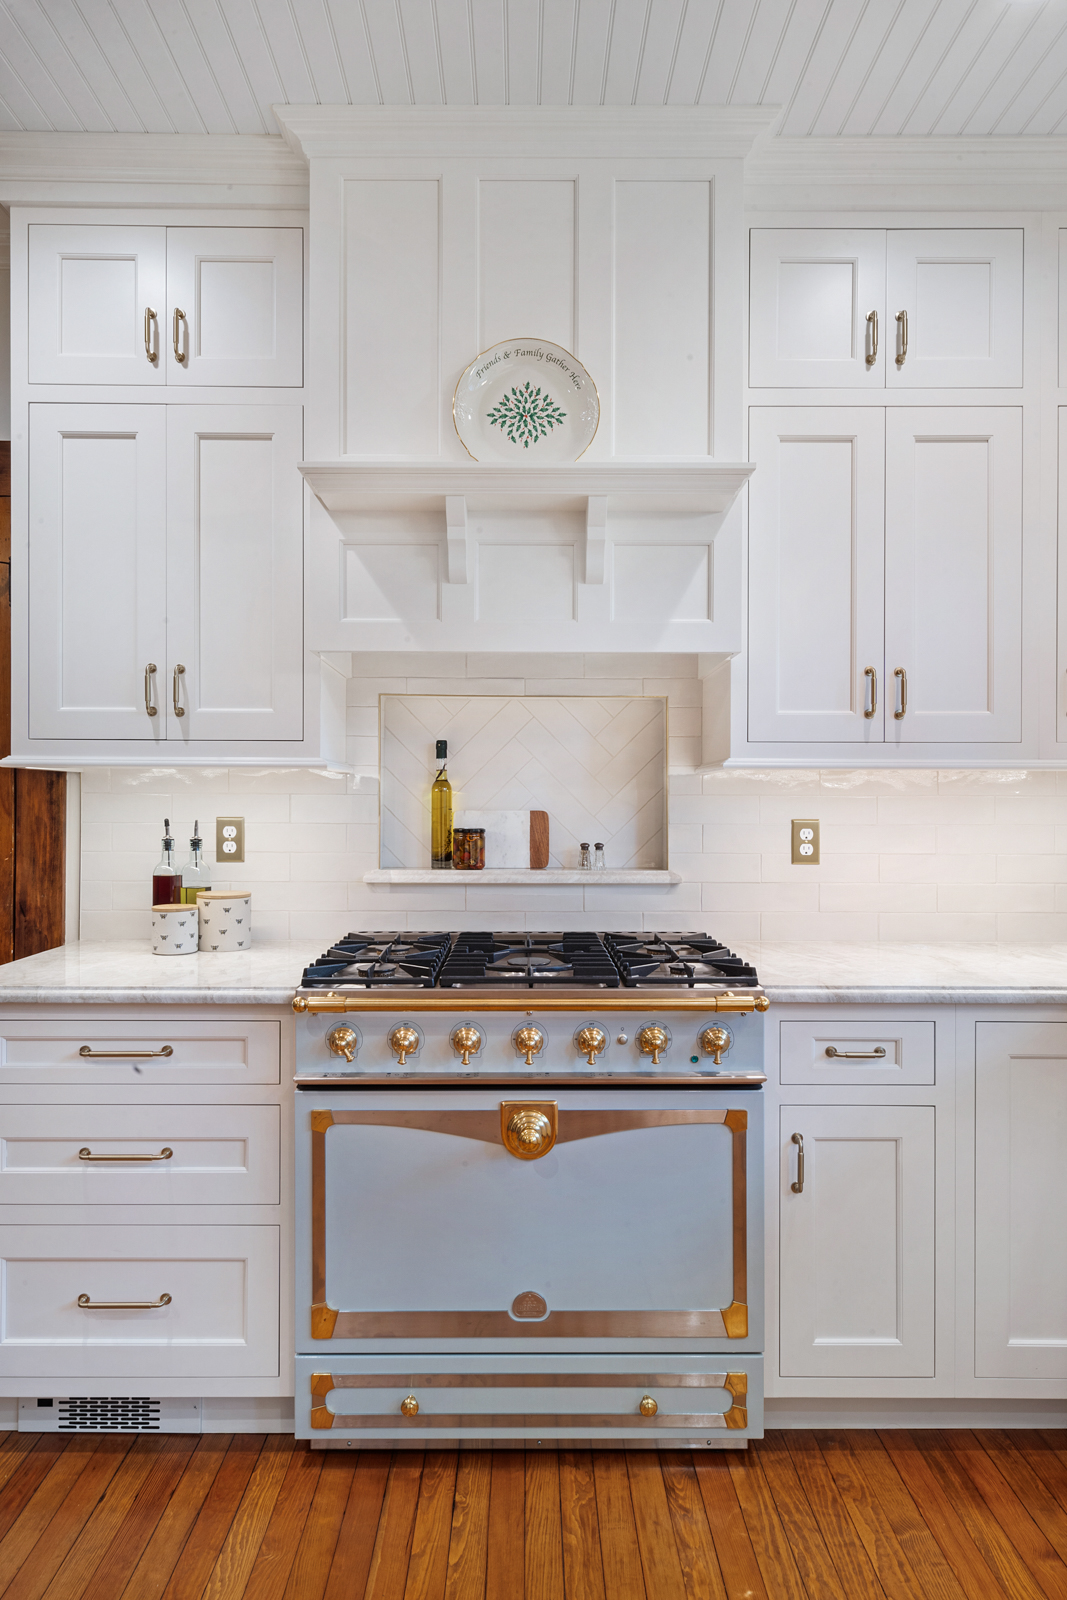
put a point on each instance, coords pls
(175, 930)
(225, 919)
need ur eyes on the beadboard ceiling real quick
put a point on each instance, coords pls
(837, 67)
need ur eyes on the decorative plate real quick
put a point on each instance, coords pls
(526, 400)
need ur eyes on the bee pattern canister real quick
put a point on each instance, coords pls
(225, 919)
(174, 930)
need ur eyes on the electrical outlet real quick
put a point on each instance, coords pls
(805, 842)
(229, 839)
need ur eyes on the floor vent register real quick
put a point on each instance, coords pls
(108, 1414)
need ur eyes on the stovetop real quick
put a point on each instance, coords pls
(546, 962)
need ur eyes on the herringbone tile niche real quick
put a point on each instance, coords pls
(596, 764)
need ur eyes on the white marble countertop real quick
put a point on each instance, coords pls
(127, 973)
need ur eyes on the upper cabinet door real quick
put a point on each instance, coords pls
(98, 486)
(97, 304)
(235, 306)
(817, 298)
(953, 569)
(954, 308)
(815, 573)
(235, 571)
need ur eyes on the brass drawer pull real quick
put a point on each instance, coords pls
(122, 1305)
(872, 677)
(85, 1154)
(150, 349)
(902, 678)
(179, 710)
(176, 335)
(855, 1055)
(148, 674)
(798, 1187)
(872, 323)
(124, 1055)
(902, 339)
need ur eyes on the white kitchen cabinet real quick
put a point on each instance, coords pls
(165, 573)
(900, 308)
(153, 305)
(857, 1242)
(1020, 1199)
(906, 520)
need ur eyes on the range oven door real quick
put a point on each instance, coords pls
(498, 1222)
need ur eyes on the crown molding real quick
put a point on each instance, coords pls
(559, 132)
(153, 168)
(1010, 174)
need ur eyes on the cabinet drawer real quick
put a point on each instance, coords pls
(705, 1399)
(94, 1155)
(221, 1319)
(149, 1050)
(849, 1051)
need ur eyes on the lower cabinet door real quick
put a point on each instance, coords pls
(1020, 1194)
(601, 1399)
(857, 1242)
(139, 1302)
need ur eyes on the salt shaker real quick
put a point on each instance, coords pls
(598, 858)
(584, 860)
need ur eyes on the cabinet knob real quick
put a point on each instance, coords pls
(590, 1041)
(343, 1042)
(648, 1406)
(403, 1040)
(651, 1041)
(409, 1406)
(466, 1039)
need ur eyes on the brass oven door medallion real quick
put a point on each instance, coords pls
(528, 1128)
(529, 1306)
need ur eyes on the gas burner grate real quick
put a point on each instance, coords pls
(379, 961)
(528, 961)
(677, 961)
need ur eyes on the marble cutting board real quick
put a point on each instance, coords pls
(512, 838)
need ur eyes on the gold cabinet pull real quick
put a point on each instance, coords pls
(798, 1187)
(86, 1154)
(149, 671)
(179, 672)
(872, 323)
(855, 1055)
(343, 1041)
(902, 678)
(151, 327)
(122, 1305)
(124, 1055)
(176, 335)
(902, 338)
(872, 679)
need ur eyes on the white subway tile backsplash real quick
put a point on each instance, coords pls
(879, 897)
(908, 927)
(1031, 928)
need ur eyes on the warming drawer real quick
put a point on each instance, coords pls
(637, 1226)
(695, 1401)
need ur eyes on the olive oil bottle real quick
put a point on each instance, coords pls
(441, 811)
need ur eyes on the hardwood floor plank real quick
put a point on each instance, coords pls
(939, 1513)
(359, 1528)
(846, 1551)
(869, 1518)
(544, 1531)
(314, 1554)
(139, 1522)
(15, 1447)
(50, 1550)
(505, 1563)
(1045, 1565)
(733, 1547)
(817, 1571)
(623, 1574)
(468, 1545)
(692, 1536)
(1039, 1499)
(428, 1566)
(48, 1498)
(392, 1548)
(21, 1487)
(152, 1573)
(277, 1552)
(655, 1530)
(1043, 1459)
(106, 1521)
(583, 1565)
(229, 1575)
(235, 1457)
(764, 1525)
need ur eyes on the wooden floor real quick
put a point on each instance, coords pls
(800, 1516)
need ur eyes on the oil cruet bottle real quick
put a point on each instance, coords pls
(195, 875)
(166, 879)
(441, 811)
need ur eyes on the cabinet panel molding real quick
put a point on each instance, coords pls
(90, 291)
(811, 292)
(962, 292)
(241, 290)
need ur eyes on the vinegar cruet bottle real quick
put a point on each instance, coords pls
(441, 811)
(195, 875)
(166, 879)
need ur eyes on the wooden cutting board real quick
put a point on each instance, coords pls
(512, 838)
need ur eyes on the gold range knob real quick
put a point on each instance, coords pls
(343, 1042)
(530, 1040)
(713, 1041)
(409, 1406)
(590, 1041)
(465, 1039)
(648, 1406)
(402, 1040)
(650, 1041)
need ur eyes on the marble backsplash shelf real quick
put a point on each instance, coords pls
(547, 877)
